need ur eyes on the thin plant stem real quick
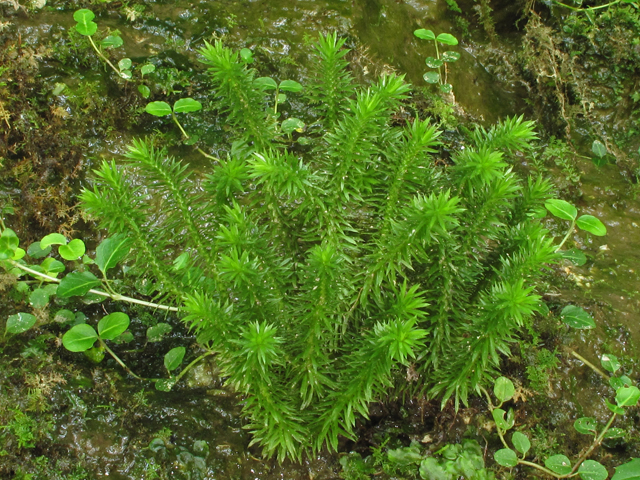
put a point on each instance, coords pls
(541, 468)
(113, 296)
(95, 47)
(117, 359)
(590, 365)
(186, 369)
(210, 157)
(173, 116)
(577, 9)
(566, 237)
(492, 408)
(593, 446)
(186, 137)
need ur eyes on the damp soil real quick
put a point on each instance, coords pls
(62, 112)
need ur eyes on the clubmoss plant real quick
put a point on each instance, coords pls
(318, 271)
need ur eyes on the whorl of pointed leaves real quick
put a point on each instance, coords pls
(238, 94)
(319, 274)
(332, 82)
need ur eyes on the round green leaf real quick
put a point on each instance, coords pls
(281, 98)
(85, 24)
(559, 464)
(64, 316)
(20, 322)
(424, 34)
(52, 239)
(87, 29)
(83, 15)
(615, 433)
(627, 396)
(200, 448)
(18, 254)
(586, 425)
(124, 337)
(447, 39)
(114, 41)
(173, 358)
(126, 74)
(561, 209)
(614, 408)
(599, 161)
(95, 354)
(433, 62)
(290, 86)
(592, 470)
(144, 91)
(267, 83)
(503, 389)
(610, 363)
(192, 140)
(575, 256)
(621, 381)
(73, 250)
(77, 283)
(450, 56)
(291, 124)
(112, 325)
(576, 317)
(431, 77)
(39, 298)
(521, 442)
(506, 457)
(159, 109)
(186, 105)
(51, 266)
(9, 240)
(598, 148)
(246, 55)
(165, 384)
(34, 250)
(79, 338)
(628, 471)
(446, 87)
(592, 225)
(147, 68)
(499, 417)
(124, 64)
(111, 251)
(155, 333)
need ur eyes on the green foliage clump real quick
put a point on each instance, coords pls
(453, 461)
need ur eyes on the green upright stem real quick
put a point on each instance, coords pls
(566, 237)
(186, 369)
(186, 137)
(435, 42)
(117, 359)
(184, 134)
(590, 365)
(95, 47)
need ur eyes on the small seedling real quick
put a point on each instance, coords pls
(269, 83)
(184, 105)
(441, 59)
(87, 27)
(565, 211)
